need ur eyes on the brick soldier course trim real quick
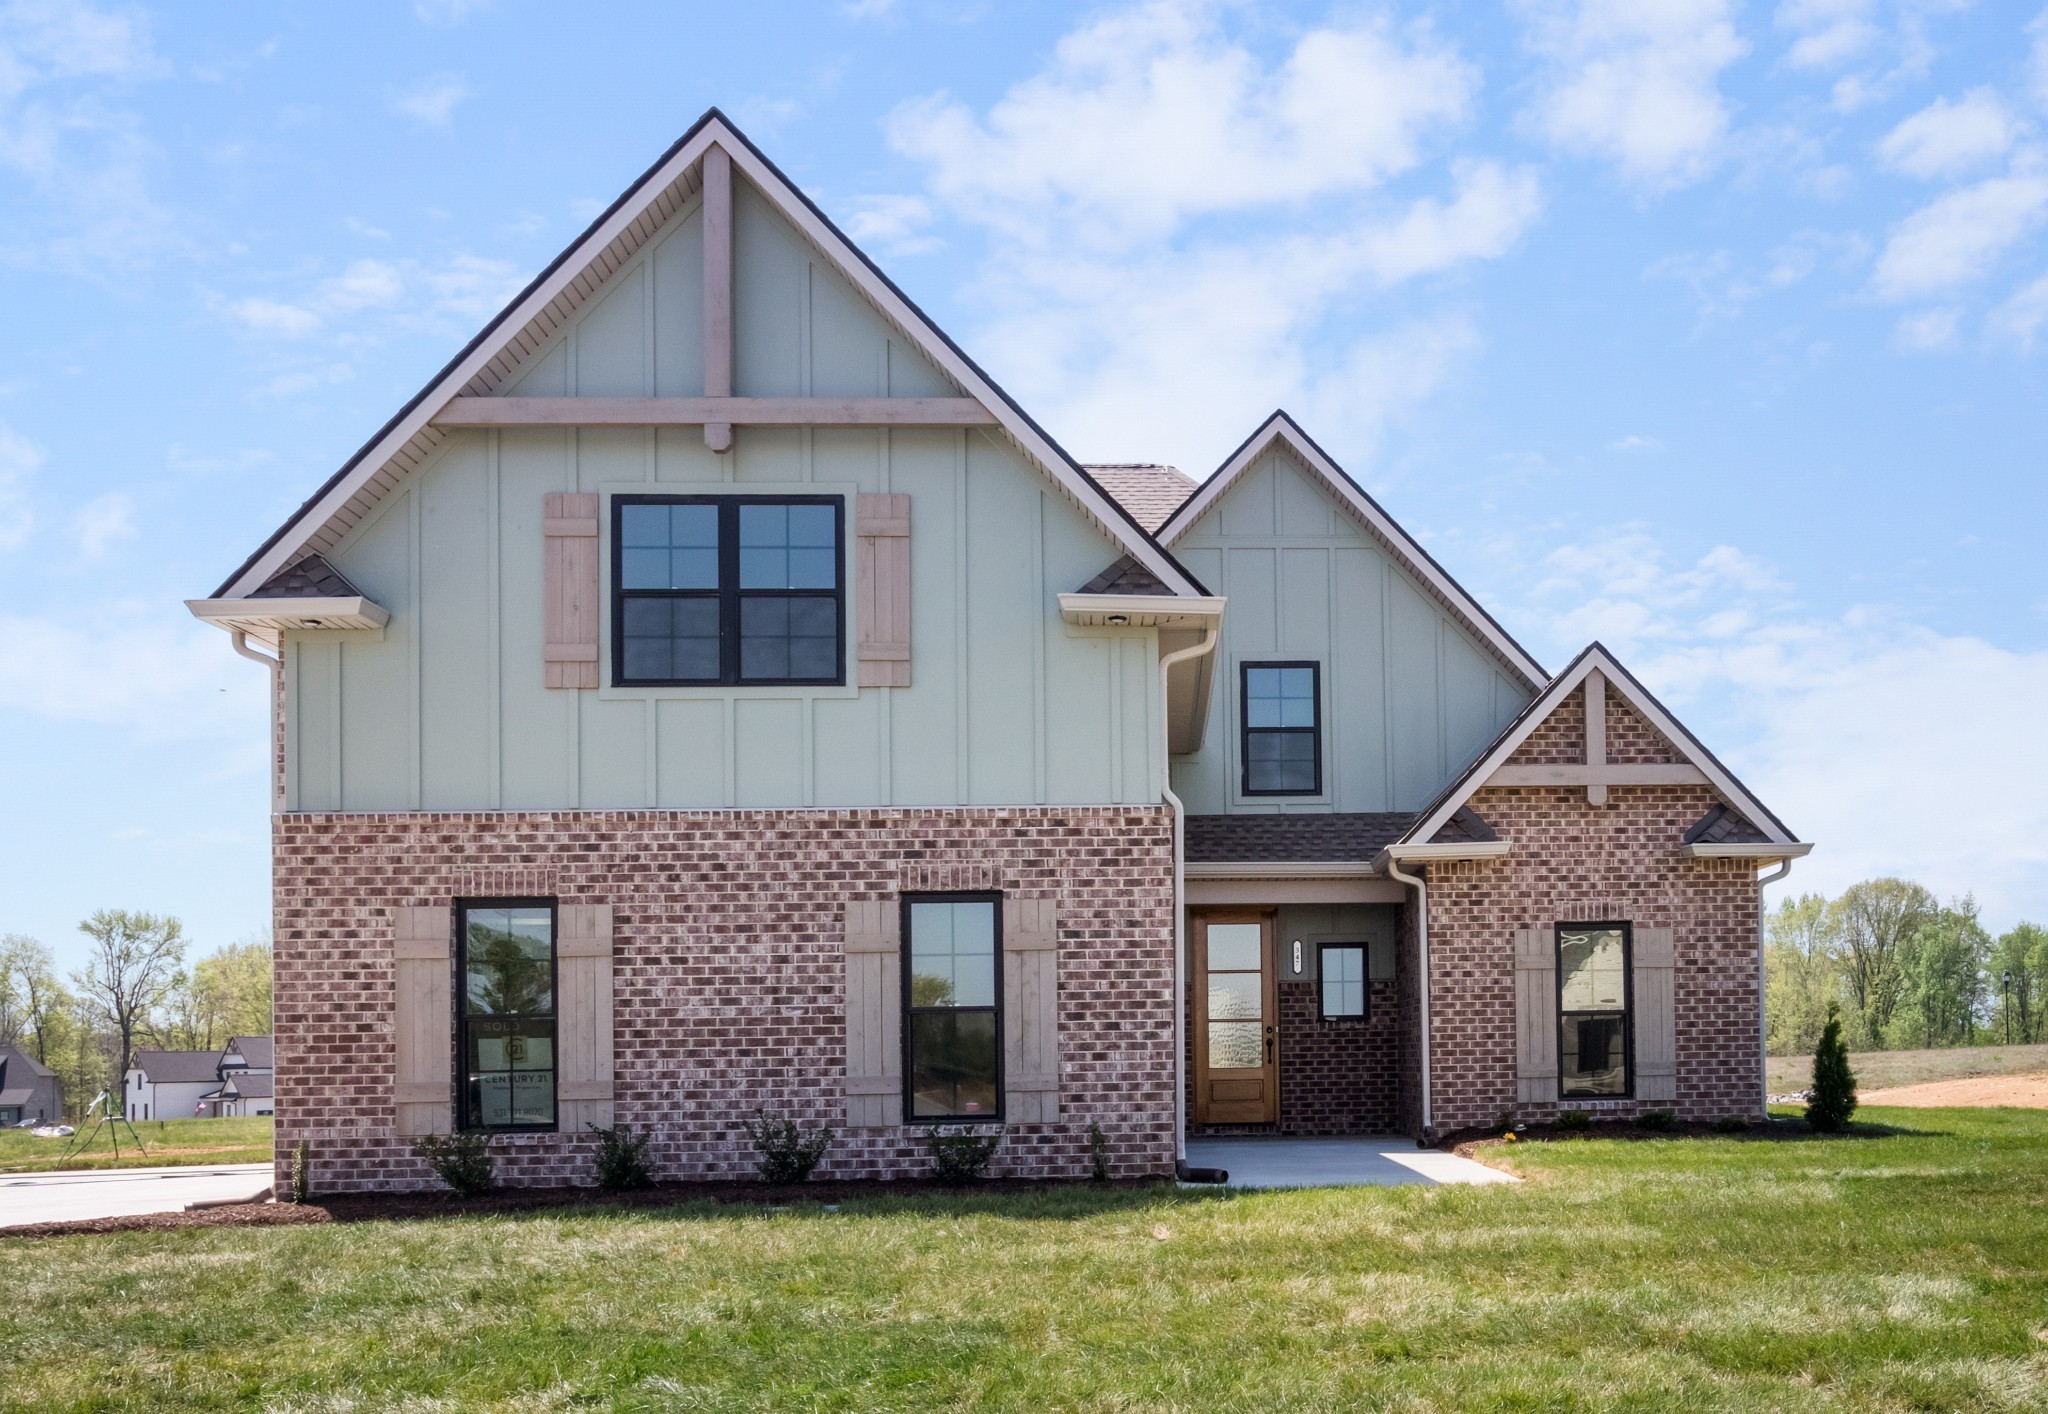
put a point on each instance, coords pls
(728, 973)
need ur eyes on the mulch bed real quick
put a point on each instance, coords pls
(402, 1207)
(1487, 1146)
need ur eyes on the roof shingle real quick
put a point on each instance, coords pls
(1149, 491)
(1240, 839)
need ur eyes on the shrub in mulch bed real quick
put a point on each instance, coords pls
(403, 1207)
(1486, 1144)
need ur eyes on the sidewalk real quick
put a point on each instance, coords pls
(79, 1194)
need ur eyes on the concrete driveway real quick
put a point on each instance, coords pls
(110, 1193)
(1260, 1162)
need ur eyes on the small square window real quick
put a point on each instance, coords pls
(1343, 981)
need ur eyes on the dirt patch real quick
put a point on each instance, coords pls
(2024, 1091)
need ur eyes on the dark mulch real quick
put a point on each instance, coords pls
(1486, 1145)
(404, 1207)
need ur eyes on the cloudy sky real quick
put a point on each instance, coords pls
(1716, 331)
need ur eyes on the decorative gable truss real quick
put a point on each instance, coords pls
(1739, 827)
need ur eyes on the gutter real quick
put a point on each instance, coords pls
(1211, 631)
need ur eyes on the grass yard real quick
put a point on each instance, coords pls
(1881, 1070)
(170, 1141)
(1904, 1272)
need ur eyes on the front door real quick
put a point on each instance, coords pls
(1237, 1052)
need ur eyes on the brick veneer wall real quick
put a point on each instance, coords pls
(1576, 862)
(728, 974)
(1336, 1077)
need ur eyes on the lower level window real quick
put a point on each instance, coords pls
(506, 967)
(1341, 970)
(1592, 1009)
(952, 1025)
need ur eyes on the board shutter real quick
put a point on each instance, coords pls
(874, 1014)
(1655, 969)
(569, 592)
(881, 573)
(423, 1022)
(1535, 1017)
(583, 1017)
(1031, 1019)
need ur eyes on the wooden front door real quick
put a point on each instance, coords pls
(1237, 1019)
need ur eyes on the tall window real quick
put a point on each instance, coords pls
(1340, 970)
(727, 589)
(952, 998)
(1283, 749)
(506, 1011)
(1592, 1009)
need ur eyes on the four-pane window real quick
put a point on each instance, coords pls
(727, 590)
(952, 1027)
(505, 1011)
(1282, 745)
(1592, 1009)
(1340, 968)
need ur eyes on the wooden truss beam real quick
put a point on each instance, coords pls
(1598, 777)
(714, 412)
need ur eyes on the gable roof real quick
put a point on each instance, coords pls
(310, 578)
(1149, 491)
(1595, 658)
(177, 1067)
(20, 1074)
(1284, 430)
(256, 1050)
(490, 359)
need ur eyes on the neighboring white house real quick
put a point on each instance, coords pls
(201, 1084)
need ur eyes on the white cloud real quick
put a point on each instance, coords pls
(1149, 116)
(867, 9)
(2020, 318)
(895, 223)
(1929, 331)
(304, 380)
(103, 522)
(272, 317)
(2037, 59)
(446, 14)
(129, 664)
(19, 459)
(46, 40)
(432, 99)
(1636, 443)
(366, 284)
(1946, 138)
(1636, 83)
(1844, 726)
(1957, 237)
(465, 288)
(1830, 32)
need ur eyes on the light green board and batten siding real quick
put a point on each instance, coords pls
(447, 710)
(1410, 697)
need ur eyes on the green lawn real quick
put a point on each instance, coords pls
(1880, 1070)
(168, 1141)
(1905, 1272)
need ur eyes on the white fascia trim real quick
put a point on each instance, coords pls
(1745, 851)
(1283, 869)
(799, 214)
(1140, 610)
(1439, 853)
(1417, 561)
(268, 615)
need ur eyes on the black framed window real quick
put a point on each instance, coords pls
(1281, 708)
(1343, 982)
(727, 590)
(505, 1010)
(952, 1007)
(1593, 1010)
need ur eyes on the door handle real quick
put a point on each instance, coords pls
(1269, 1043)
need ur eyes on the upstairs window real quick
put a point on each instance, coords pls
(506, 1013)
(1592, 1010)
(732, 590)
(1283, 745)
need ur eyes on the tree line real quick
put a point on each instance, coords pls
(134, 989)
(1907, 971)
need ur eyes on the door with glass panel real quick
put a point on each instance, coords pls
(1237, 1019)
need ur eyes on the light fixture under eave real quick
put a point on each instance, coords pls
(312, 623)
(1117, 620)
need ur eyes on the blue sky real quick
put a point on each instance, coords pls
(1715, 331)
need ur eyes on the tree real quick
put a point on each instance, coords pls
(1941, 973)
(30, 995)
(134, 960)
(1801, 973)
(1834, 1084)
(224, 994)
(1873, 920)
(2024, 953)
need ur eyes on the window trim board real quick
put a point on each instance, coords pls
(1245, 728)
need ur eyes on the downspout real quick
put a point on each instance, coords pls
(1422, 966)
(1180, 913)
(240, 639)
(241, 642)
(1763, 1039)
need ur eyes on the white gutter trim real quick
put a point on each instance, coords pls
(240, 640)
(1140, 610)
(1763, 853)
(1422, 973)
(1211, 631)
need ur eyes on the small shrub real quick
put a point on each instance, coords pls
(1834, 1084)
(302, 1171)
(1661, 1120)
(788, 1151)
(622, 1161)
(462, 1161)
(1098, 1153)
(1504, 1121)
(960, 1155)
(1573, 1119)
(1731, 1124)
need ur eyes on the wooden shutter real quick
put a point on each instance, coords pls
(1656, 1058)
(874, 1014)
(583, 1017)
(1031, 1019)
(881, 572)
(423, 1021)
(570, 599)
(1535, 1016)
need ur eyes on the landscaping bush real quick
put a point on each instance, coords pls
(1834, 1084)
(1731, 1124)
(1573, 1119)
(462, 1161)
(1658, 1119)
(960, 1155)
(788, 1151)
(302, 1171)
(1098, 1153)
(622, 1162)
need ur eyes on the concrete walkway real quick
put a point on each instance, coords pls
(1262, 1162)
(78, 1194)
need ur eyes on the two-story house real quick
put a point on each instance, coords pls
(230, 1082)
(712, 692)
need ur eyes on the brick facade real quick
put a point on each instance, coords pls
(1577, 862)
(1336, 1077)
(728, 972)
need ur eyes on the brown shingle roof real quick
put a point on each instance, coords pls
(1150, 492)
(1239, 839)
